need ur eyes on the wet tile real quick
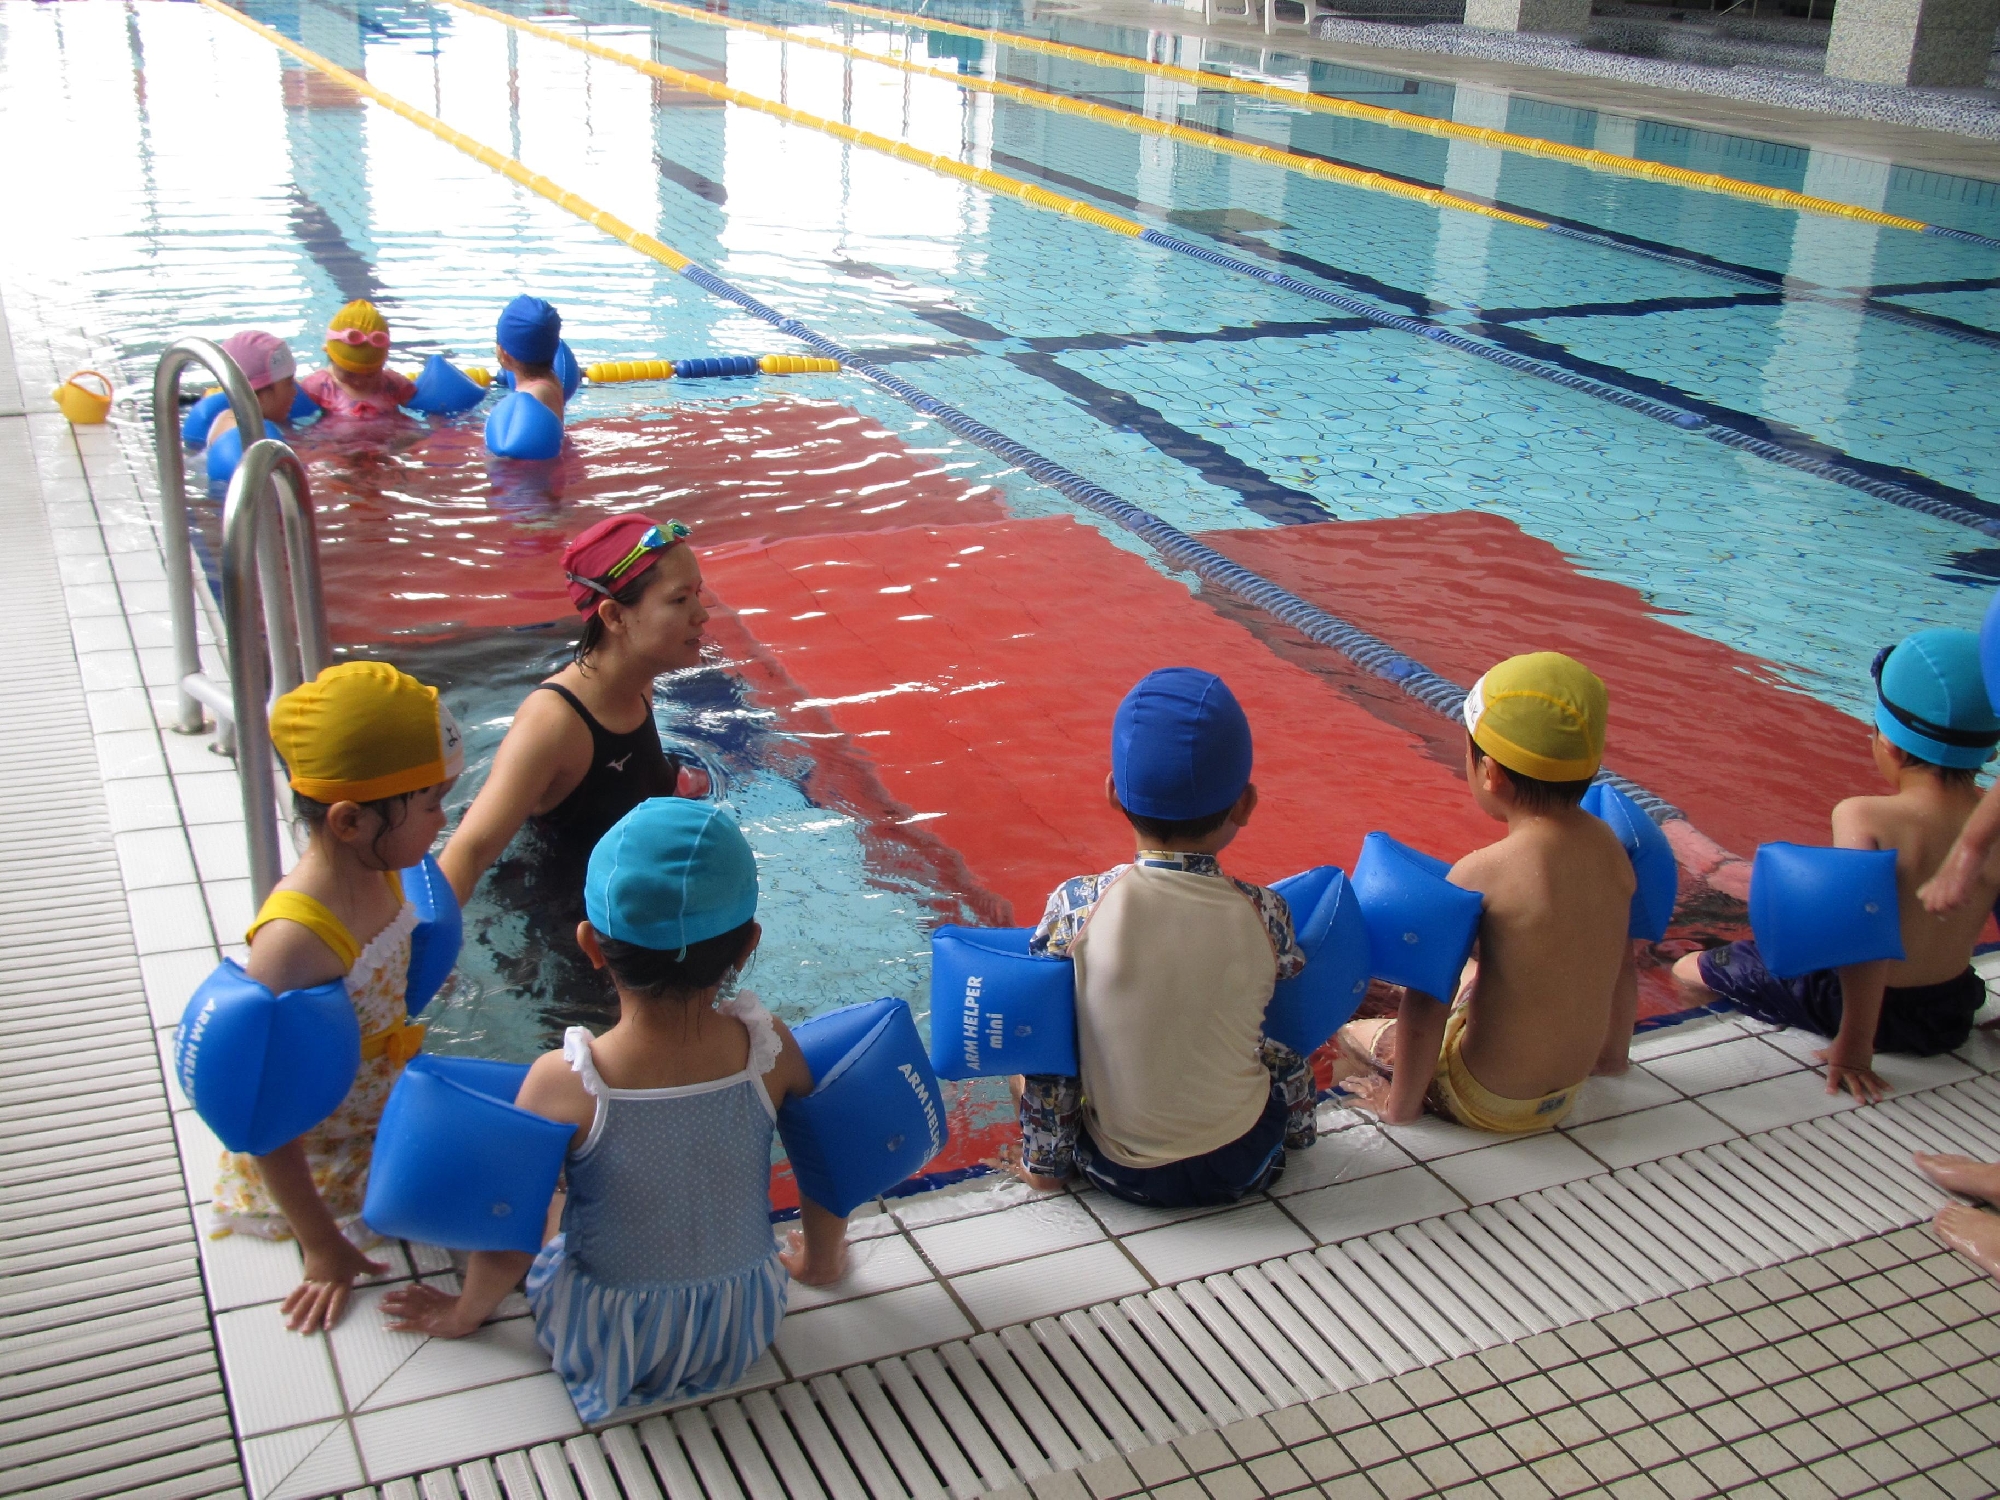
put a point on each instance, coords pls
(1429, 1137)
(877, 1264)
(303, 1462)
(169, 919)
(1622, 1094)
(1515, 1167)
(499, 1351)
(1220, 1242)
(980, 1195)
(1724, 1066)
(276, 1378)
(467, 1424)
(1056, 1222)
(153, 857)
(1337, 1156)
(142, 802)
(171, 980)
(1652, 1133)
(1051, 1283)
(850, 1333)
(1372, 1204)
(1778, 1101)
(129, 752)
(243, 1271)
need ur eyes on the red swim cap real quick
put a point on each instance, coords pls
(609, 555)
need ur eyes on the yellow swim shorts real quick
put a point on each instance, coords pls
(1465, 1099)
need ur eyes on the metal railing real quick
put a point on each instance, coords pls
(260, 569)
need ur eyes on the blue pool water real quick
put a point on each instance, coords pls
(206, 184)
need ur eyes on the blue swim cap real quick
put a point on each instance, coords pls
(1180, 746)
(529, 330)
(671, 872)
(1930, 699)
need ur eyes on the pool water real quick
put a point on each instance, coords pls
(917, 646)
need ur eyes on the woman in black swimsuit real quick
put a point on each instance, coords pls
(583, 750)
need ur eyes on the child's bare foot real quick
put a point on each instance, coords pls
(1973, 1233)
(1687, 972)
(1009, 1161)
(811, 1270)
(1961, 1174)
(1369, 1044)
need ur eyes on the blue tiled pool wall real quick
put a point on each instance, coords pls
(1211, 399)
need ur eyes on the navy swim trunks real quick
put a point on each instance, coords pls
(1920, 1022)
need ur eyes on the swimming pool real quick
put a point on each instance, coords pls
(918, 644)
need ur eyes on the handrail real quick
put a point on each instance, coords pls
(172, 468)
(267, 467)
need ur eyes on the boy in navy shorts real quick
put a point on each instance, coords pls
(1182, 1100)
(1934, 730)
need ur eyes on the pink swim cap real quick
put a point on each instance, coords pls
(264, 358)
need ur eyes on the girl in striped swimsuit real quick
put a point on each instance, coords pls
(665, 1281)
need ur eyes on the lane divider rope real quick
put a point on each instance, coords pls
(1366, 651)
(1398, 119)
(1210, 138)
(1104, 114)
(1692, 421)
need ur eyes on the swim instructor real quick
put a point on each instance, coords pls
(583, 750)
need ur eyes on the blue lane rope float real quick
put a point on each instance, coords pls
(710, 367)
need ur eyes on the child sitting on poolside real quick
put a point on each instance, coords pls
(665, 1281)
(370, 753)
(1182, 1099)
(1934, 730)
(266, 362)
(526, 339)
(360, 383)
(1553, 991)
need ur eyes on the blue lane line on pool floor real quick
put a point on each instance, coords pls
(1738, 430)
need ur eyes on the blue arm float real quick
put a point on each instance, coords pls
(263, 1069)
(442, 389)
(1315, 1003)
(226, 452)
(1818, 908)
(439, 931)
(201, 416)
(521, 427)
(875, 1114)
(1420, 925)
(458, 1164)
(998, 1009)
(567, 371)
(303, 406)
(1651, 855)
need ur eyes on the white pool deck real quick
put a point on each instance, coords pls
(1714, 1279)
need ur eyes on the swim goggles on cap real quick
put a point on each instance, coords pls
(1962, 739)
(356, 337)
(652, 539)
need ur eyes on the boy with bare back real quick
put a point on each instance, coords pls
(1551, 995)
(1934, 730)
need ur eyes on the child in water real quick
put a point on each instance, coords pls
(525, 342)
(1934, 729)
(266, 362)
(360, 382)
(371, 754)
(665, 1281)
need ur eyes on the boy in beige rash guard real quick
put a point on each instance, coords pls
(1182, 1099)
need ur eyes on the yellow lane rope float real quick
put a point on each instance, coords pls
(1604, 161)
(505, 165)
(1208, 140)
(618, 372)
(950, 166)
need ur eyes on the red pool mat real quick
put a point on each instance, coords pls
(1709, 728)
(423, 532)
(977, 668)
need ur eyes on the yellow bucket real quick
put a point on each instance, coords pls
(78, 402)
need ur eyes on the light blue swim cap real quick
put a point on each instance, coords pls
(1930, 699)
(673, 871)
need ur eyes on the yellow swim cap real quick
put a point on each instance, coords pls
(358, 318)
(1541, 715)
(363, 730)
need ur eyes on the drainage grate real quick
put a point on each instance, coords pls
(1006, 1409)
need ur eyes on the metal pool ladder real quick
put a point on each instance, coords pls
(269, 648)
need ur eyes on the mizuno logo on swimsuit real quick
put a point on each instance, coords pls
(619, 764)
(933, 1121)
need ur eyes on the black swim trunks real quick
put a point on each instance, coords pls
(1921, 1022)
